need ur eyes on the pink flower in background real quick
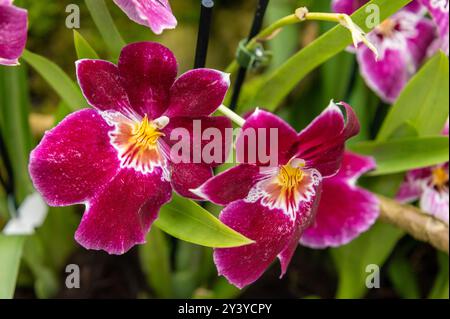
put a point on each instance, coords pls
(438, 9)
(155, 14)
(430, 186)
(274, 205)
(13, 32)
(115, 158)
(403, 42)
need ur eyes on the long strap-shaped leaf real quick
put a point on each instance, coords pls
(188, 221)
(11, 248)
(282, 81)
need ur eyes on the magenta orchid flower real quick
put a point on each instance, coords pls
(13, 32)
(115, 158)
(402, 41)
(430, 186)
(345, 210)
(273, 205)
(438, 10)
(155, 14)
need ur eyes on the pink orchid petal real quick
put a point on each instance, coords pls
(120, 215)
(155, 14)
(439, 11)
(345, 210)
(101, 85)
(419, 44)
(270, 229)
(347, 6)
(148, 70)
(436, 203)
(198, 93)
(387, 76)
(412, 187)
(191, 131)
(13, 33)
(322, 143)
(74, 159)
(185, 177)
(260, 123)
(224, 189)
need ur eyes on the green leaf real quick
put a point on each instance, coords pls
(14, 126)
(83, 48)
(57, 79)
(440, 289)
(105, 24)
(423, 104)
(283, 80)
(155, 262)
(11, 248)
(403, 277)
(188, 221)
(371, 248)
(401, 155)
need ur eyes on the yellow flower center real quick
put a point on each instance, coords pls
(440, 177)
(387, 27)
(289, 177)
(145, 134)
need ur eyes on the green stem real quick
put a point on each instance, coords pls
(281, 23)
(238, 120)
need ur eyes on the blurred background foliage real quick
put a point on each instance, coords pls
(166, 267)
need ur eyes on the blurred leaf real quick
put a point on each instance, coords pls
(401, 155)
(11, 248)
(45, 279)
(371, 248)
(83, 48)
(15, 130)
(105, 24)
(283, 80)
(57, 79)
(336, 77)
(440, 289)
(188, 221)
(403, 278)
(423, 104)
(155, 263)
(222, 289)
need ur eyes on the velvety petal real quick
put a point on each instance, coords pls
(185, 177)
(148, 71)
(212, 149)
(13, 33)
(387, 76)
(439, 11)
(155, 14)
(347, 6)
(198, 93)
(120, 216)
(101, 85)
(322, 143)
(412, 187)
(224, 189)
(270, 229)
(345, 210)
(419, 44)
(436, 203)
(255, 139)
(74, 160)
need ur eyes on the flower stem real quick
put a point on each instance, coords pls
(237, 119)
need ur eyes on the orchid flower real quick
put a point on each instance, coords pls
(402, 42)
(13, 32)
(274, 205)
(438, 10)
(430, 186)
(155, 14)
(114, 158)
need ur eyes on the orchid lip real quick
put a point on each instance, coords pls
(137, 140)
